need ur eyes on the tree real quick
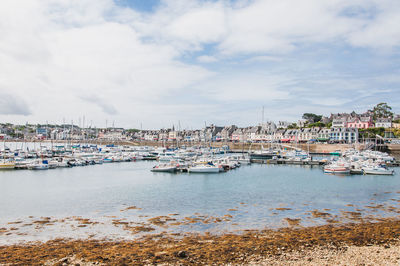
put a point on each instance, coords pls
(312, 118)
(382, 110)
(132, 130)
(371, 132)
(317, 124)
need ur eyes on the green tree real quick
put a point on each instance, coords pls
(292, 126)
(312, 118)
(371, 132)
(317, 124)
(132, 130)
(382, 110)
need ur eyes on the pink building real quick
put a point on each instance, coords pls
(360, 122)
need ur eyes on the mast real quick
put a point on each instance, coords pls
(262, 116)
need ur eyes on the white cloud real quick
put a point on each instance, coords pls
(206, 59)
(329, 101)
(55, 53)
(202, 25)
(269, 26)
(264, 58)
(244, 87)
(381, 32)
(13, 105)
(58, 56)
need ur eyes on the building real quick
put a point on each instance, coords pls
(226, 132)
(343, 135)
(253, 133)
(239, 135)
(360, 122)
(324, 134)
(308, 134)
(339, 122)
(291, 135)
(279, 135)
(268, 127)
(383, 122)
(172, 135)
(302, 122)
(283, 124)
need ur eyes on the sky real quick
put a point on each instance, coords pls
(156, 63)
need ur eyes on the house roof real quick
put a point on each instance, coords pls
(383, 120)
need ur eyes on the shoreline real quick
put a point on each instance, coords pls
(392, 149)
(257, 247)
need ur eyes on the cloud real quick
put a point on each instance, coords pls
(244, 87)
(382, 31)
(106, 107)
(206, 59)
(263, 58)
(268, 26)
(287, 54)
(50, 50)
(13, 105)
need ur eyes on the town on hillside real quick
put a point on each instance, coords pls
(378, 123)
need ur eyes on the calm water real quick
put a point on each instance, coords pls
(100, 192)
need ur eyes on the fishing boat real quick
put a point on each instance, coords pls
(336, 168)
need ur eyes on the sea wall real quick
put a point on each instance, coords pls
(393, 149)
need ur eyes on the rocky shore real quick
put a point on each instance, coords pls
(346, 244)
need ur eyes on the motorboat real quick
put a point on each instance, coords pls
(7, 165)
(204, 168)
(170, 168)
(39, 165)
(241, 159)
(107, 160)
(337, 168)
(53, 164)
(377, 170)
(355, 168)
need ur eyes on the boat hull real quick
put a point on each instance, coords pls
(375, 172)
(165, 170)
(255, 156)
(204, 170)
(7, 166)
(356, 172)
(337, 171)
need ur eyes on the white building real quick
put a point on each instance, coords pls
(339, 122)
(383, 122)
(344, 135)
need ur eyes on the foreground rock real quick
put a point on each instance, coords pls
(352, 244)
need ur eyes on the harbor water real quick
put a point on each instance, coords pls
(254, 196)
